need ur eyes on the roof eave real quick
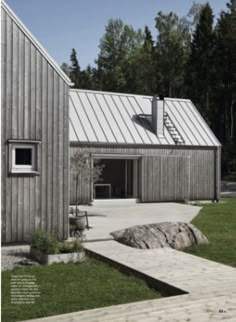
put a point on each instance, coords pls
(149, 145)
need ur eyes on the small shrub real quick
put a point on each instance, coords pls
(45, 242)
(73, 247)
(48, 244)
(77, 246)
(65, 248)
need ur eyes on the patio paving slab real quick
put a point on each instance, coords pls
(106, 218)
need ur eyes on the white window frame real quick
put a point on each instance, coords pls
(23, 168)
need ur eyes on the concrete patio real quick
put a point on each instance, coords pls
(107, 217)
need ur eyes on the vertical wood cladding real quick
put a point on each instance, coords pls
(165, 174)
(34, 107)
(166, 178)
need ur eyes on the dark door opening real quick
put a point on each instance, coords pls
(117, 179)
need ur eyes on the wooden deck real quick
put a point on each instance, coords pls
(176, 309)
(211, 287)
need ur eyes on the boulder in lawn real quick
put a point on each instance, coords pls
(176, 235)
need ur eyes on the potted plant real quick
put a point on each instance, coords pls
(85, 172)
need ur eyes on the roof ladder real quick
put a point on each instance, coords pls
(173, 130)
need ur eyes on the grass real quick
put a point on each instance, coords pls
(218, 222)
(73, 287)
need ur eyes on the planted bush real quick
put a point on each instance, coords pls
(73, 247)
(77, 246)
(45, 242)
(48, 243)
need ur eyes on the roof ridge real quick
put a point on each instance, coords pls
(36, 43)
(106, 92)
(78, 90)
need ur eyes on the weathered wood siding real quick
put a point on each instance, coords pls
(34, 107)
(165, 178)
(200, 180)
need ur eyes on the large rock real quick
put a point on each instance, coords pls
(166, 234)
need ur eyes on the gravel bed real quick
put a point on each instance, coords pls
(16, 256)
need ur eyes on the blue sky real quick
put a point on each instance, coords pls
(61, 25)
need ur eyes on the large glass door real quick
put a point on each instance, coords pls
(117, 179)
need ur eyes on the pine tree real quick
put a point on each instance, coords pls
(148, 41)
(66, 68)
(225, 97)
(74, 69)
(148, 64)
(87, 78)
(140, 72)
(201, 65)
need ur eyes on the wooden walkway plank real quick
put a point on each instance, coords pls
(211, 287)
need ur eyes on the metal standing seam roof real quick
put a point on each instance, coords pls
(35, 42)
(113, 118)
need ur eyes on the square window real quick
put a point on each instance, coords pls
(23, 157)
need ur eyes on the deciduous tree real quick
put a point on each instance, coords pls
(172, 52)
(117, 46)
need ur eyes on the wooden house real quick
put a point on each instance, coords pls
(35, 139)
(153, 149)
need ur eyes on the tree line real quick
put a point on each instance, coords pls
(191, 57)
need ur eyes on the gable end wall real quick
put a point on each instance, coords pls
(34, 107)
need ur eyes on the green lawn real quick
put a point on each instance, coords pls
(73, 287)
(218, 222)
